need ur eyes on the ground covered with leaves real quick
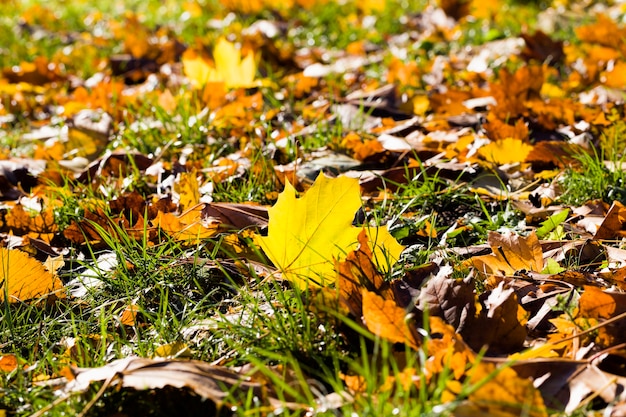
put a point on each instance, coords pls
(312, 207)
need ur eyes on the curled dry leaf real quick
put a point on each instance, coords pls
(448, 298)
(209, 381)
(358, 271)
(500, 325)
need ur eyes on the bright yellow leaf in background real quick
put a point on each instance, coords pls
(505, 151)
(306, 235)
(228, 68)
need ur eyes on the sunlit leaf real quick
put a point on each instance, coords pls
(306, 235)
(385, 319)
(503, 393)
(505, 151)
(551, 223)
(511, 253)
(24, 278)
(228, 66)
(190, 226)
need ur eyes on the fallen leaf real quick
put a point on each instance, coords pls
(511, 253)
(306, 235)
(9, 363)
(357, 272)
(385, 319)
(613, 224)
(208, 381)
(228, 68)
(505, 151)
(501, 323)
(502, 392)
(451, 299)
(24, 278)
(191, 226)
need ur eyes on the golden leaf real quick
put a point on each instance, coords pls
(505, 151)
(191, 226)
(188, 190)
(24, 278)
(503, 394)
(229, 67)
(386, 319)
(306, 235)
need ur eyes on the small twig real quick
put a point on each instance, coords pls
(99, 394)
(50, 406)
(591, 329)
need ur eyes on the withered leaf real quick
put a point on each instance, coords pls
(358, 272)
(542, 48)
(613, 224)
(498, 326)
(598, 304)
(448, 298)
(209, 381)
(237, 215)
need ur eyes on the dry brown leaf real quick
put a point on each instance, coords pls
(208, 381)
(613, 224)
(500, 325)
(542, 48)
(448, 298)
(237, 215)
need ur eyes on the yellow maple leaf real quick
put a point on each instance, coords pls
(306, 235)
(228, 68)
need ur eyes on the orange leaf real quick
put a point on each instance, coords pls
(385, 319)
(503, 394)
(190, 226)
(597, 304)
(448, 350)
(129, 315)
(359, 271)
(8, 363)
